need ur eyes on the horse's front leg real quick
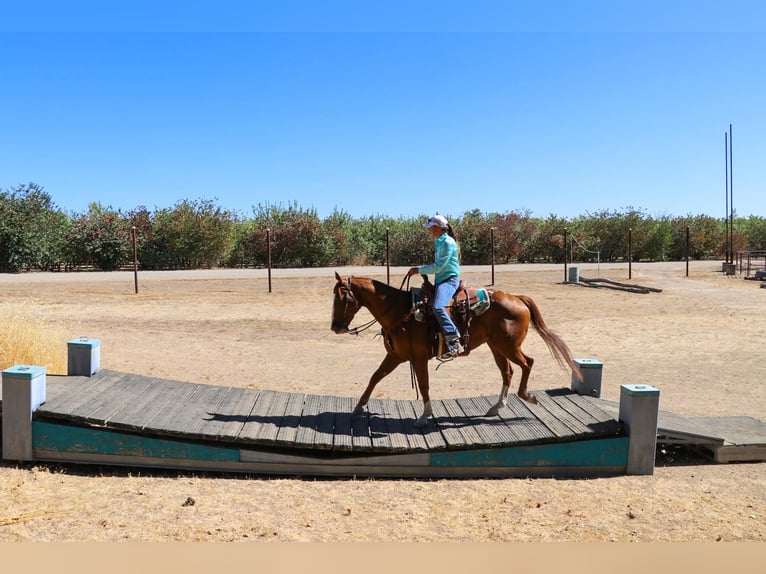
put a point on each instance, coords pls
(390, 362)
(421, 374)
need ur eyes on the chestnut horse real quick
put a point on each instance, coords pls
(503, 327)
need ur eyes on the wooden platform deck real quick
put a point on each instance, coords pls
(121, 418)
(724, 439)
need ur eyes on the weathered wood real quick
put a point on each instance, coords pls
(325, 423)
(378, 431)
(344, 437)
(524, 423)
(264, 419)
(232, 413)
(288, 429)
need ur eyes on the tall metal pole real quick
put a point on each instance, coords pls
(687, 250)
(566, 252)
(135, 259)
(388, 257)
(268, 256)
(630, 253)
(731, 192)
(492, 248)
(726, 213)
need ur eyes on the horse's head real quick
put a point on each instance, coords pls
(344, 305)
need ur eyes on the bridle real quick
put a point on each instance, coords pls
(347, 300)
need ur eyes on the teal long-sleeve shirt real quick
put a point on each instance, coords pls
(446, 259)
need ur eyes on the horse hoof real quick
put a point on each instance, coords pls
(357, 411)
(493, 412)
(531, 399)
(421, 422)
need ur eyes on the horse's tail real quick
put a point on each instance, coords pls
(556, 344)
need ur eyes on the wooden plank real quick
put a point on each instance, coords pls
(449, 428)
(79, 405)
(288, 428)
(466, 426)
(558, 411)
(325, 428)
(264, 419)
(189, 419)
(171, 402)
(378, 431)
(524, 422)
(492, 430)
(307, 427)
(394, 426)
(599, 414)
(193, 421)
(162, 395)
(361, 435)
(738, 430)
(406, 414)
(514, 429)
(232, 414)
(550, 420)
(343, 439)
(431, 433)
(122, 394)
(76, 395)
(136, 415)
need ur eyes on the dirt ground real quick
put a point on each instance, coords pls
(700, 341)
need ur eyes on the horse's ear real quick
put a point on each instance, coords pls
(338, 277)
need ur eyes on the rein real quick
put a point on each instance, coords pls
(359, 329)
(406, 319)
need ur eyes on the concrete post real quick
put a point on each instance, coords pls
(639, 410)
(591, 378)
(23, 391)
(83, 357)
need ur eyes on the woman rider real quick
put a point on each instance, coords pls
(446, 270)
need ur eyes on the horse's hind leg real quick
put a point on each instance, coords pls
(506, 371)
(525, 363)
(503, 362)
(390, 362)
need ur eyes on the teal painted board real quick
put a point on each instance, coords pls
(607, 452)
(58, 438)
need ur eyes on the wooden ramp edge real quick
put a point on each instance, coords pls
(724, 439)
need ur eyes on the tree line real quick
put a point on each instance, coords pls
(35, 234)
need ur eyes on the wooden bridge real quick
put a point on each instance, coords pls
(126, 419)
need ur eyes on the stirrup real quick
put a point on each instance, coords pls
(455, 349)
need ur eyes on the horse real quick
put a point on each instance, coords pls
(503, 327)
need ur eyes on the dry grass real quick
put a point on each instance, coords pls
(28, 340)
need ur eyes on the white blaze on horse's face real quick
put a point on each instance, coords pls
(344, 306)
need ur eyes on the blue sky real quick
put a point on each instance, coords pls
(555, 107)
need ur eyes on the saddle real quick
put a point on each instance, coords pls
(466, 304)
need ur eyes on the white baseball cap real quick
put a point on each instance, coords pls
(437, 221)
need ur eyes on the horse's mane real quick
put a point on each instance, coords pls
(380, 288)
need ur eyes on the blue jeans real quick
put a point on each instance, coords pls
(443, 295)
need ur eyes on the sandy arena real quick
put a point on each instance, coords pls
(700, 341)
